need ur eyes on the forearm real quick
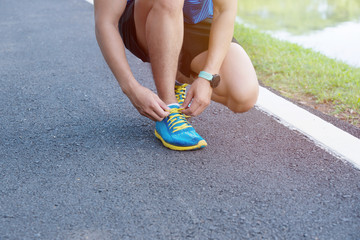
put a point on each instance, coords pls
(221, 34)
(113, 50)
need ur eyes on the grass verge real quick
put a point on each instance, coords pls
(303, 74)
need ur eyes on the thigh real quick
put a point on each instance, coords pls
(238, 78)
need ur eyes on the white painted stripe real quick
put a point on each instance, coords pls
(90, 1)
(324, 134)
(330, 138)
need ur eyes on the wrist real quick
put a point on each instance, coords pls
(129, 87)
(204, 81)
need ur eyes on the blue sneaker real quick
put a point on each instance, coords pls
(176, 133)
(180, 93)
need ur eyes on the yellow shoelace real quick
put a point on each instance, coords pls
(175, 118)
(180, 91)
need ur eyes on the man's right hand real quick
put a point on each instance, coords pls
(148, 103)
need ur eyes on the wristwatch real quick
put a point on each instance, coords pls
(213, 79)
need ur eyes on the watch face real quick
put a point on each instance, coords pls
(215, 81)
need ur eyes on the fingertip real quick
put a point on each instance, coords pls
(186, 112)
(164, 114)
(185, 105)
(163, 105)
(166, 107)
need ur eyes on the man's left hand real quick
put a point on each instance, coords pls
(199, 95)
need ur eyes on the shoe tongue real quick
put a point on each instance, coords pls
(174, 105)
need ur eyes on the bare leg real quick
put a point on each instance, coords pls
(238, 89)
(159, 29)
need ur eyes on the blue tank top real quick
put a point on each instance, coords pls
(196, 10)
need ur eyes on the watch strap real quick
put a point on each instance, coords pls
(206, 75)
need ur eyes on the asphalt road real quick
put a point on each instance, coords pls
(78, 162)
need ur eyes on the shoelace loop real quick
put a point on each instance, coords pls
(180, 92)
(177, 120)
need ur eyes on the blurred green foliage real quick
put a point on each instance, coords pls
(296, 71)
(298, 17)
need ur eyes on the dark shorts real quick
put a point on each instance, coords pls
(196, 39)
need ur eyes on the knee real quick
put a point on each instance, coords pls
(243, 103)
(241, 107)
(171, 7)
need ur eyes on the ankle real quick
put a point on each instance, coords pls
(177, 83)
(169, 101)
(182, 79)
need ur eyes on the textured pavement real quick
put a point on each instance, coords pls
(78, 162)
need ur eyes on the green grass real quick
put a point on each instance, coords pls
(296, 71)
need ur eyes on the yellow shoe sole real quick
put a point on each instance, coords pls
(201, 144)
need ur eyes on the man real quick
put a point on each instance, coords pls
(190, 41)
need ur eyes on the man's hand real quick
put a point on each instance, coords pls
(199, 95)
(148, 103)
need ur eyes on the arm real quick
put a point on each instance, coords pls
(107, 15)
(221, 33)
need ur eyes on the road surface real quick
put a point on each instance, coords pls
(77, 161)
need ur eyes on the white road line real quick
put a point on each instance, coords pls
(332, 139)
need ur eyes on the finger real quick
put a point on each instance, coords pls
(149, 116)
(162, 109)
(149, 113)
(162, 104)
(190, 111)
(188, 99)
(157, 118)
(187, 112)
(160, 112)
(199, 110)
(156, 114)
